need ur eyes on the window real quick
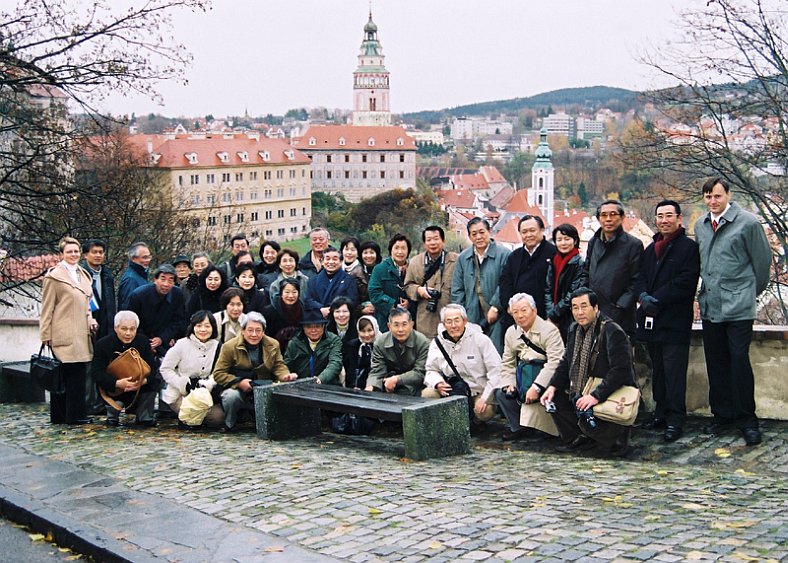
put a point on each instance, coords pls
(191, 157)
(223, 156)
(265, 155)
(292, 192)
(269, 194)
(280, 174)
(180, 181)
(347, 174)
(255, 217)
(292, 173)
(363, 158)
(239, 176)
(371, 141)
(382, 174)
(210, 178)
(211, 199)
(383, 158)
(253, 176)
(194, 179)
(253, 195)
(280, 192)
(269, 215)
(294, 230)
(328, 158)
(312, 141)
(195, 199)
(293, 212)
(303, 211)
(347, 158)
(328, 174)
(226, 197)
(239, 195)
(402, 157)
(280, 214)
(364, 174)
(225, 176)
(269, 233)
(212, 221)
(226, 219)
(400, 141)
(303, 173)
(280, 232)
(244, 156)
(266, 175)
(401, 174)
(239, 218)
(341, 141)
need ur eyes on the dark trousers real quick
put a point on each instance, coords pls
(726, 346)
(69, 407)
(606, 434)
(669, 381)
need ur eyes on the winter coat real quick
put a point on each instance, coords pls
(188, 359)
(326, 357)
(385, 290)
(65, 315)
(526, 273)
(300, 278)
(307, 267)
(135, 276)
(234, 356)
(572, 277)
(407, 362)
(475, 357)
(204, 300)
(612, 267)
(227, 329)
(672, 280)
(105, 314)
(463, 286)
(109, 348)
(323, 290)
(277, 326)
(426, 321)
(735, 265)
(160, 316)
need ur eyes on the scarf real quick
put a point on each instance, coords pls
(581, 354)
(661, 242)
(559, 261)
(349, 267)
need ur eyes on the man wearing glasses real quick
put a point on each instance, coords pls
(612, 264)
(666, 292)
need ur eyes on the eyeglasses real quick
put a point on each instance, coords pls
(609, 214)
(661, 216)
(251, 330)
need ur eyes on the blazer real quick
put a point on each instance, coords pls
(105, 314)
(65, 315)
(323, 290)
(135, 276)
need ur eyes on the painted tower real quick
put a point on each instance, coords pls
(371, 81)
(542, 193)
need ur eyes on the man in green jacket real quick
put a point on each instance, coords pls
(399, 357)
(313, 352)
(251, 356)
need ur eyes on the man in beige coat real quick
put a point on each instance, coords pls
(428, 280)
(542, 334)
(66, 325)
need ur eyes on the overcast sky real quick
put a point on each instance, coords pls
(268, 56)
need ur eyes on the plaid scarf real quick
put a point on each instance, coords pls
(578, 372)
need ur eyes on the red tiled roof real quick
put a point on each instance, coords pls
(509, 232)
(502, 197)
(519, 205)
(469, 182)
(173, 151)
(575, 219)
(457, 198)
(356, 137)
(26, 269)
(492, 175)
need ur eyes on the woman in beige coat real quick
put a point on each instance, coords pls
(66, 325)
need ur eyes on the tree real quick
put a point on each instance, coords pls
(728, 115)
(54, 54)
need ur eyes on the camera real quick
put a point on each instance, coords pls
(549, 406)
(587, 414)
(432, 302)
(649, 324)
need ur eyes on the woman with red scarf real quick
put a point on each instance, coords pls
(564, 275)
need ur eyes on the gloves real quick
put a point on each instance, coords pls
(650, 304)
(192, 384)
(208, 383)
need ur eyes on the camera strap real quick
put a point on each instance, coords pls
(532, 346)
(446, 356)
(434, 267)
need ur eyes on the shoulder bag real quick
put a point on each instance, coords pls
(528, 370)
(127, 365)
(621, 407)
(45, 370)
(458, 385)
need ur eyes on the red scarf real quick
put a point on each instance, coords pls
(559, 261)
(661, 243)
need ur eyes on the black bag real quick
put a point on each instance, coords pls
(45, 371)
(459, 387)
(352, 424)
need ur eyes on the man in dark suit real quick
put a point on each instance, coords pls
(612, 264)
(330, 283)
(526, 269)
(666, 288)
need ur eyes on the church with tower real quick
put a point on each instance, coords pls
(542, 191)
(371, 81)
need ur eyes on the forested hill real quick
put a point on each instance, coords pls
(591, 97)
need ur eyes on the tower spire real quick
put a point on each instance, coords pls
(371, 80)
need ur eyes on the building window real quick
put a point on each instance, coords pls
(280, 213)
(402, 157)
(269, 215)
(280, 232)
(383, 158)
(212, 221)
(269, 194)
(180, 181)
(382, 174)
(266, 175)
(347, 174)
(400, 141)
(280, 192)
(541, 182)
(541, 200)
(303, 211)
(269, 232)
(341, 141)
(195, 199)
(401, 174)
(253, 176)
(194, 179)
(312, 141)
(293, 212)
(211, 199)
(328, 174)
(227, 219)
(239, 195)
(292, 192)
(280, 174)
(347, 158)
(371, 141)
(328, 158)
(253, 195)
(210, 178)
(226, 197)
(294, 230)
(255, 217)
(364, 174)
(225, 176)
(239, 176)
(363, 158)
(292, 173)
(239, 218)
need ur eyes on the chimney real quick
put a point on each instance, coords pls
(150, 146)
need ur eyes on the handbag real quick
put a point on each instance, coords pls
(46, 372)
(127, 365)
(528, 370)
(621, 407)
(195, 406)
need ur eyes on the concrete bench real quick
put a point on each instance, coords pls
(431, 427)
(16, 385)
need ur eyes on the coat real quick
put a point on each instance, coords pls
(323, 290)
(300, 278)
(307, 267)
(547, 336)
(65, 315)
(673, 281)
(525, 273)
(227, 329)
(427, 322)
(612, 268)
(572, 277)
(408, 362)
(475, 357)
(135, 276)
(108, 348)
(612, 363)
(188, 359)
(463, 286)
(326, 360)
(160, 316)
(235, 357)
(735, 265)
(105, 314)
(385, 290)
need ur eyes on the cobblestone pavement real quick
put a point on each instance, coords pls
(702, 498)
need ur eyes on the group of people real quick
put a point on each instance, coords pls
(434, 324)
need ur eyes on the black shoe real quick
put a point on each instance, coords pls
(145, 423)
(81, 421)
(672, 433)
(579, 444)
(718, 427)
(655, 424)
(619, 450)
(112, 422)
(510, 435)
(226, 430)
(752, 436)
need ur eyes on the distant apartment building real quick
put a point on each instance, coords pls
(588, 129)
(359, 161)
(426, 137)
(560, 124)
(233, 183)
(470, 129)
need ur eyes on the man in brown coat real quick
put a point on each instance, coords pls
(428, 280)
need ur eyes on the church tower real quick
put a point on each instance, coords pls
(371, 81)
(542, 193)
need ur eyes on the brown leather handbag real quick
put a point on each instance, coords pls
(128, 365)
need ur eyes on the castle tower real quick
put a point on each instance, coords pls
(542, 193)
(371, 81)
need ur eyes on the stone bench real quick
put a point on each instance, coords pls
(431, 427)
(16, 385)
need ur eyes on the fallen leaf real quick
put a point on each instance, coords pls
(73, 558)
(405, 460)
(722, 452)
(695, 555)
(36, 537)
(744, 473)
(435, 545)
(375, 511)
(63, 549)
(662, 472)
(736, 524)
(693, 506)
(274, 549)
(744, 556)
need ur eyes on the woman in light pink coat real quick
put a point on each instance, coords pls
(66, 325)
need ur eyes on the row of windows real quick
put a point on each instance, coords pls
(346, 174)
(210, 178)
(365, 158)
(239, 195)
(254, 216)
(270, 233)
